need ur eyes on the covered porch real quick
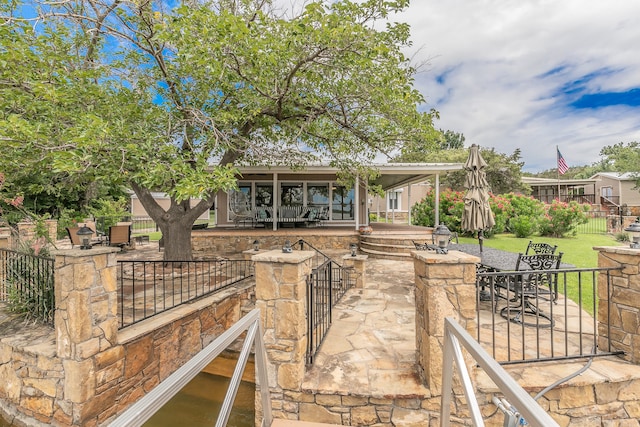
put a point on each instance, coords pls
(278, 197)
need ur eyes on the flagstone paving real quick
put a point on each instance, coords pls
(370, 349)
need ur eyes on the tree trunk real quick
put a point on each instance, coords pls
(175, 223)
(177, 241)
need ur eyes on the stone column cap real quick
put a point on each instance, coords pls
(295, 257)
(79, 253)
(453, 257)
(624, 250)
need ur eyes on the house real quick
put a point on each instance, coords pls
(547, 190)
(618, 190)
(278, 191)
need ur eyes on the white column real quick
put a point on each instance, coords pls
(437, 202)
(409, 204)
(393, 206)
(366, 203)
(356, 208)
(276, 197)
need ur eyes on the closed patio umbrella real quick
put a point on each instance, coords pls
(477, 215)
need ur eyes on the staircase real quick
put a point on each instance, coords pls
(396, 244)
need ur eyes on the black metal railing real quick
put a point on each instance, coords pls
(147, 288)
(558, 321)
(598, 223)
(326, 285)
(26, 282)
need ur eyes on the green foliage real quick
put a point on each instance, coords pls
(523, 226)
(503, 171)
(451, 208)
(562, 219)
(527, 211)
(622, 237)
(109, 212)
(502, 210)
(232, 84)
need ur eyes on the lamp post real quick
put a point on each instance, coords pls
(354, 249)
(634, 230)
(287, 249)
(85, 233)
(441, 237)
(256, 245)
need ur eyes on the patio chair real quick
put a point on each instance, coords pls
(240, 208)
(530, 287)
(120, 235)
(540, 248)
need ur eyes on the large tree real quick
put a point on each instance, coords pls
(175, 99)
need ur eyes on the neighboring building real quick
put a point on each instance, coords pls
(396, 204)
(617, 190)
(547, 189)
(137, 210)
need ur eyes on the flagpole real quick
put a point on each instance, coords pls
(558, 171)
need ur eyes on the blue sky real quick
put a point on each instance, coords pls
(531, 74)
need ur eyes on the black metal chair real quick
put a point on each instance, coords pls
(531, 287)
(540, 248)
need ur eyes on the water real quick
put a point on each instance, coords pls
(199, 402)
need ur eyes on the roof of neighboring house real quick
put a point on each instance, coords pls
(620, 176)
(392, 175)
(544, 182)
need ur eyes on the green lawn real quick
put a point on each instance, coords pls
(576, 250)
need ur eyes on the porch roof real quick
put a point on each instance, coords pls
(546, 182)
(392, 175)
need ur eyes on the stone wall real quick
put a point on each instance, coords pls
(211, 244)
(83, 372)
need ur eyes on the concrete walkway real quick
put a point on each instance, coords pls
(370, 349)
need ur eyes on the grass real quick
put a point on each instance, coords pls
(577, 251)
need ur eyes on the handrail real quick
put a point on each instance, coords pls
(528, 408)
(144, 408)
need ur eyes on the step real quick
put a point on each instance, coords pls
(394, 248)
(400, 256)
(395, 239)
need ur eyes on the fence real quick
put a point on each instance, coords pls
(540, 327)
(139, 224)
(326, 285)
(27, 282)
(147, 288)
(599, 222)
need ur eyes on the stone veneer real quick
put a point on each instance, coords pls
(83, 372)
(621, 303)
(209, 244)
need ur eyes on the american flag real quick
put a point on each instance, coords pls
(562, 165)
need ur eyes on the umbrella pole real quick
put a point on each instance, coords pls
(480, 239)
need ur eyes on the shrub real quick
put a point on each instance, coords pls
(562, 218)
(522, 226)
(502, 210)
(451, 208)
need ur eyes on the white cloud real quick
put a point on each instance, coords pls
(490, 72)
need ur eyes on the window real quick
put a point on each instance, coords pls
(264, 194)
(342, 203)
(240, 200)
(291, 195)
(393, 200)
(318, 195)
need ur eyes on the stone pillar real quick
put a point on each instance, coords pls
(358, 264)
(26, 231)
(52, 229)
(445, 287)
(281, 296)
(619, 308)
(86, 327)
(5, 238)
